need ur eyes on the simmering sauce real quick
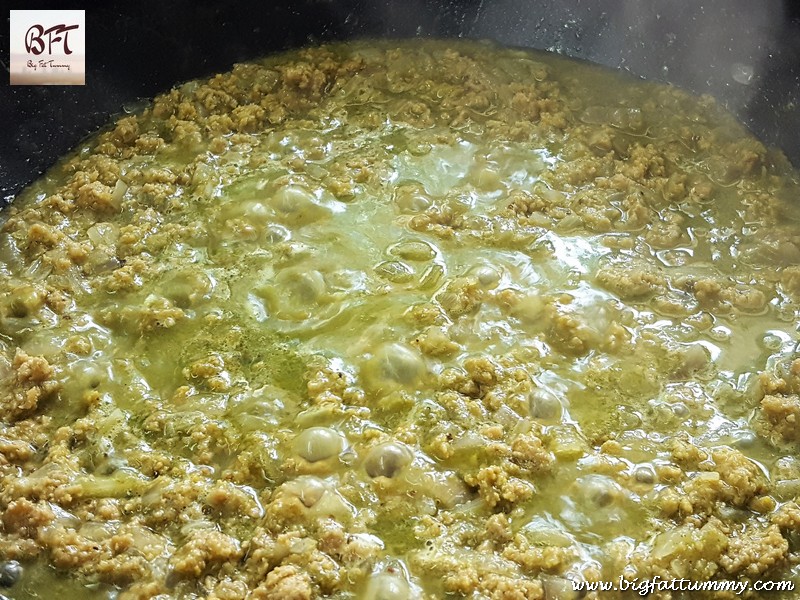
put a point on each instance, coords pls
(393, 320)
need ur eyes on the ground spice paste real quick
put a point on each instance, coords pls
(402, 320)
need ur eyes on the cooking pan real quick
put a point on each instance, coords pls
(747, 54)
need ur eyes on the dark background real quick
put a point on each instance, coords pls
(138, 49)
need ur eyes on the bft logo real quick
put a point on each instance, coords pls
(48, 47)
(35, 44)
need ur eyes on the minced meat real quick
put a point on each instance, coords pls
(402, 320)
